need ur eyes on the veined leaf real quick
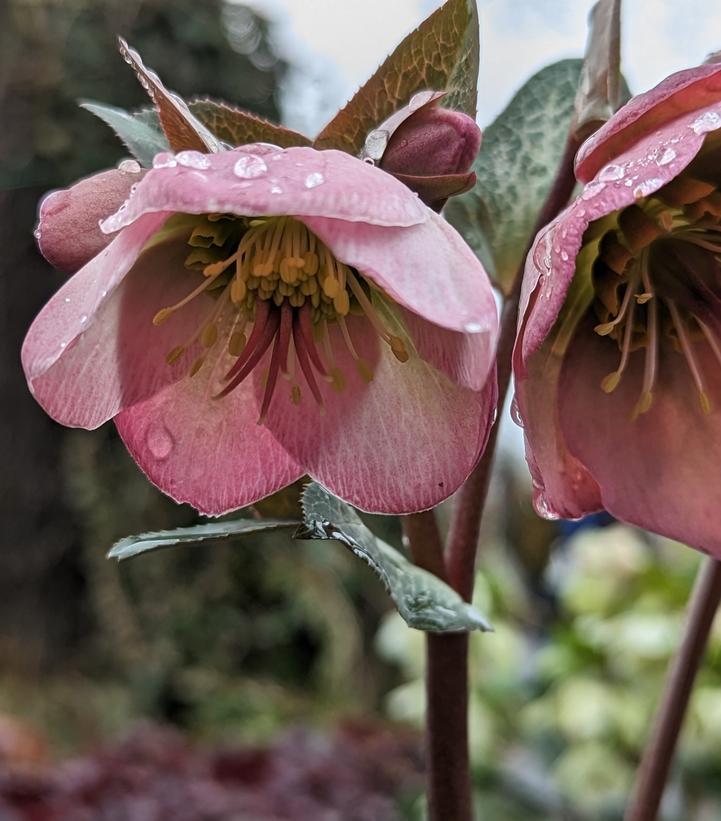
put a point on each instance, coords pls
(210, 532)
(237, 127)
(440, 55)
(423, 600)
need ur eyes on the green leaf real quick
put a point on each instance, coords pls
(516, 166)
(423, 600)
(441, 54)
(210, 532)
(237, 127)
(141, 139)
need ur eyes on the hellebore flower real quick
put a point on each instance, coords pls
(618, 354)
(263, 313)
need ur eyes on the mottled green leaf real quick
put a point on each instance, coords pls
(140, 137)
(515, 168)
(441, 54)
(423, 600)
(210, 532)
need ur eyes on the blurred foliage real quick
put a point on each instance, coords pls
(559, 715)
(52, 54)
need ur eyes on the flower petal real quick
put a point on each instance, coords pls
(466, 358)
(660, 471)
(94, 349)
(684, 94)
(68, 233)
(562, 486)
(401, 443)
(209, 453)
(259, 180)
(427, 268)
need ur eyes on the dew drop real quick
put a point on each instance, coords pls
(564, 256)
(611, 172)
(643, 189)
(250, 166)
(708, 121)
(276, 189)
(129, 167)
(516, 412)
(376, 143)
(37, 234)
(67, 299)
(164, 160)
(669, 155)
(541, 506)
(83, 319)
(192, 159)
(159, 441)
(593, 188)
(315, 179)
(473, 327)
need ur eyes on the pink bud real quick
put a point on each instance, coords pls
(433, 142)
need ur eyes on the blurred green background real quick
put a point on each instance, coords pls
(237, 643)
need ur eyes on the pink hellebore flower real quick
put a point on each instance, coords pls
(618, 354)
(263, 313)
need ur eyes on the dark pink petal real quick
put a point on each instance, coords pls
(562, 486)
(210, 453)
(401, 443)
(647, 166)
(260, 180)
(684, 94)
(94, 349)
(427, 268)
(68, 232)
(466, 358)
(660, 471)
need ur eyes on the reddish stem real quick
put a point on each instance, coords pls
(659, 752)
(449, 775)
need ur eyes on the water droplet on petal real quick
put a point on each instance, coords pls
(376, 143)
(473, 327)
(315, 179)
(708, 121)
(541, 506)
(669, 155)
(611, 172)
(67, 299)
(250, 166)
(564, 256)
(129, 167)
(516, 412)
(262, 149)
(192, 159)
(164, 160)
(643, 189)
(276, 189)
(36, 233)
(159, 440)
(83, 319)
(593, 188)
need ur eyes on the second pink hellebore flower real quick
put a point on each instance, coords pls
(264, 313)
(618, 355)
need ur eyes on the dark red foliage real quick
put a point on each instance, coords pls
(357, 773)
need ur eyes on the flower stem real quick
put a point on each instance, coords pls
(447, 756)
(659, 752)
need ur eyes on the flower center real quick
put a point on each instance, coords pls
(656, 273)
(274, 283)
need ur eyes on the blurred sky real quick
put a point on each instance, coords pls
(336, 44)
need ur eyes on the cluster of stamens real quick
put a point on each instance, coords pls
(275, 283)
(648, 289)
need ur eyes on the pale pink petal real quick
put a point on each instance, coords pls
(638, 172)
(68, 232)
(427, 268)
(94, 349)
(660, 471)
(466, 358)
(210, 453)
(401, 443)
(562, 486)
(684, 94)
(260, 180)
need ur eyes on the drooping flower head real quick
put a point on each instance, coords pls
(618, 356)
(263, 313)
